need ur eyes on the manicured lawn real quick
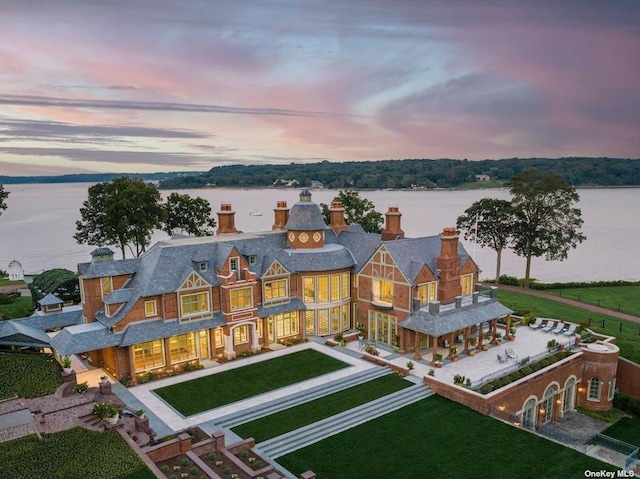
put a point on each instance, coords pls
(15, 284)
(626, 429)
(628, 339)
(197, 395)
(618, 298)
(28, 375)
(74, 453)
(20, 308)
(438, 438)
(310, 412)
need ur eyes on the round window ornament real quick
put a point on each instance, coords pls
(292, 237)
(316, 237)
(304, 237)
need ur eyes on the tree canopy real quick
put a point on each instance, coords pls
(3, 197)
(121, 213)
(489, 223)
(184, 214)
(357, 210)
(60, 282)
(546, 222)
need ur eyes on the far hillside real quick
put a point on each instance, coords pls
(418, 174)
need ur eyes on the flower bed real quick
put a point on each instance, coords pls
(181, 467)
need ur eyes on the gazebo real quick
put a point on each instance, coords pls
(16, 272)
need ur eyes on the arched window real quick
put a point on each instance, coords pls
(569, 393)
(594, 389)
(547, 404)
(612, 388)
(528, 414)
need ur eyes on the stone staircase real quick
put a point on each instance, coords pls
(311, 433)
(271, 407)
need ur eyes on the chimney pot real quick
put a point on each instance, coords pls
(392, 229)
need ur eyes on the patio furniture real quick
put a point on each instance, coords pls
(501, 359)
(550, 325)
(524, 361)
(510, 354)
(537, 324)
(559, 329)
(571, 330)
(361, 344)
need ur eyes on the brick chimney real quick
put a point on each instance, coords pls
(226, 219)
(336, 217)
(449, 265)
(281, 215)
(392, 228)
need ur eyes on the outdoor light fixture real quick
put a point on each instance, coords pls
(542, 410)
(501, 408)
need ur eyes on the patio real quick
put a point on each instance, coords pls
(529, 343)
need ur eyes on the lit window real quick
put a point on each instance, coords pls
(241, 334)
(260, 328)
(323, 289)
(335, 319)
(309, 290)
(150, 308)
(286, 324)
(241, 298)
(218, 337)
(274, 290)
(345, 285)
(148, 355)
(427, 293)
(81, 290)
(106, 285)
(182, 347)
(594, 389)
(383, 292)
(335, 287)
(194, 304)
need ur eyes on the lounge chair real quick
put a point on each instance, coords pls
(559, 329)
(510, 354)
(550, 325)
(501, 358)
(570, 331)
(537, 324)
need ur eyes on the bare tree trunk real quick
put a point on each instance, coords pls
(498, 264)
(527, 272)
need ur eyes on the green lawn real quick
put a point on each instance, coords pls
(21, 308)
(310, 412)
(74, 453)
(15, 284)
(197, 395)
(628, 339)
(28, 375)
(618, 298)
(626, 429)
(438, 438)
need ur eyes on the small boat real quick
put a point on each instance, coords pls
(255, 213)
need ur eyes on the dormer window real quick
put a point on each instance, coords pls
(252, 259)
(203, 266)
(234, 266)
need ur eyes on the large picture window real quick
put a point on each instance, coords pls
(286, 324)
(323, 289)
(148, 355)
(335, 287)
(345, 286)
(241, 334)
(309, 285)
(383, 292)
(182, 347)
(275, 290)
(194, 304)
(241, 298)
(427, 293)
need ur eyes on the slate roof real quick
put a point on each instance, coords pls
(361, 244)
(49, 300)
(69, 316)
(118, 296)
(100, 269)
(84, 337)
(17, 333)
(454, 319)
(295, 304)
(305, 216)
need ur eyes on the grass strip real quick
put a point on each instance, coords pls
(74, 453)
(28, 375)
(312, 411)
(626, 429)
(616, 298)
(20, 308)
(627, 333)
(438, 438)
(197, 395)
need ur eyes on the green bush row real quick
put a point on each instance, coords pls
(626, 403)
(513, 281)
(28, 375)
(8, 298)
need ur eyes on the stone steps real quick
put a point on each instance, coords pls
(271, 407)
(311, 433)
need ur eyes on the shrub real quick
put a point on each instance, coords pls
(227, 470)
(185, 462)
(164, 468)
(212, 456)
(371, 350)
(194, 470)
(81, 387)
(244, 454)
(104, 410)
(338, 337)
(246, 354)
(508, 280)
(257, 465)
(626, 403)
(431, 372)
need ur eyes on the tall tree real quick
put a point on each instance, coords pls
(3, 197)
(547, 223)
(121, 213)
(185, 214)
(357, 210)
(488, 222)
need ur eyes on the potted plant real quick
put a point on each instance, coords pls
(103, 379)
(410, 366)
(552, 345)
(473, 341)
(106, 412)
(498, 338)
(438, 362)
(512, 334)
(454, 353)
(140, 414)
(459, 380)
(361, 330)
(66, 364)
(487, 338)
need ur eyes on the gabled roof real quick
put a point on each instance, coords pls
(83, 338)
(101, 269)
(118, 296)
(16, 333)
(361, 245)
(50, 300)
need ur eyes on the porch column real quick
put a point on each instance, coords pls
(508, 331)
(255, 346)
(416, 346)
(229, 353)
(480, 333)
(451, 341)
(467, 333)
(434, 348)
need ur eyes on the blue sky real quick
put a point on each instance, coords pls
(158, 85)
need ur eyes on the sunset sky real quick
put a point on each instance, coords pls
(165, 85)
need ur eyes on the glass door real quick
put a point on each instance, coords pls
(203, 344)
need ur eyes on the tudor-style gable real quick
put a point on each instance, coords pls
(382, 282)
(235, 268)
(276, 284)
(194, 298)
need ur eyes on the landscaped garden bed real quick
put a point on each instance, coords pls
(194, 396)
(28, 375)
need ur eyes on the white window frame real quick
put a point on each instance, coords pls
(146, 310)
(590, 389)
(236, 292)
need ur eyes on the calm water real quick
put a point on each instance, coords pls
(38, 226)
